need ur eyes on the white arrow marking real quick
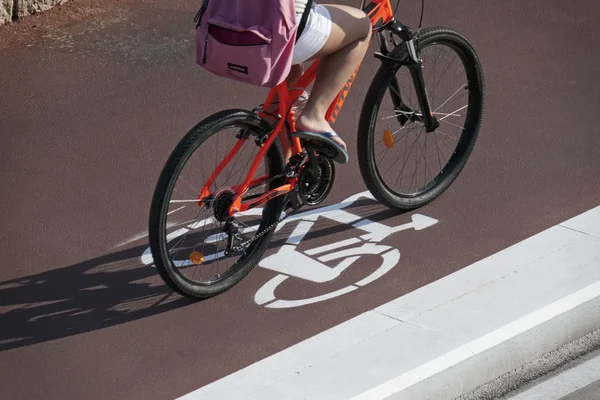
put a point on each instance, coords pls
(419, 222)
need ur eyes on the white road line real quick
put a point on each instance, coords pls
(406, 342)
(481, 344)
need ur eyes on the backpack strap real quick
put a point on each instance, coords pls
(304, 19)
(200, 13)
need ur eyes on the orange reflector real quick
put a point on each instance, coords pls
(196, 257)
(388, 139)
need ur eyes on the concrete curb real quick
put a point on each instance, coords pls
(529, 372)
(507, 355)
(449, 337)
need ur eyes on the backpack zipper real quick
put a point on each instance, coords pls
(205, 46)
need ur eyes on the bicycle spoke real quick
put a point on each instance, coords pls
(438, 151)
(445, 134)
(459, 109)
(443, 75)
(406, 159)
(450, 98)
(403, 135)
(421, 157)
(184, 201)
(177, 209)
(450, 123)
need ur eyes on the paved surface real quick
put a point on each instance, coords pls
(517, 315)
(578, 380)
(590, 392)
(91, 105)
(555, 374)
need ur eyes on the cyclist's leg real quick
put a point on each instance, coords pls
(294, 75)
(342, 53)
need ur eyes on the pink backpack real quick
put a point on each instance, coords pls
(251, 41)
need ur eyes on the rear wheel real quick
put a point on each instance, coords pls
(403, 166)
(192, 242)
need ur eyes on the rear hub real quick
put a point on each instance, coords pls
(221, 204)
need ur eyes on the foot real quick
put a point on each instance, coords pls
(310, 123)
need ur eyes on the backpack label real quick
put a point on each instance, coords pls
(239, 68)
(247, 41)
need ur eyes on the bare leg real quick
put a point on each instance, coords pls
(342, 53)
(294, 75)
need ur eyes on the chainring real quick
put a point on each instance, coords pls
(314, 191)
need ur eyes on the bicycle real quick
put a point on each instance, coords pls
(245, 230)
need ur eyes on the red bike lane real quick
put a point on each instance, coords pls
(91, 108)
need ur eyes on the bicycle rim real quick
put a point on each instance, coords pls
(191, 246)
(408, 166)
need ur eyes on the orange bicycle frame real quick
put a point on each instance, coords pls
(380, 12)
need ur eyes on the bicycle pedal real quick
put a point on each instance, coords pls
(323, 149)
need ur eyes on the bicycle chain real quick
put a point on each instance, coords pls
(248, 242)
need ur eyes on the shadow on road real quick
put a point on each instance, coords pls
(106, 291)
(94, 294)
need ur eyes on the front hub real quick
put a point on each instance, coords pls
(435, 123)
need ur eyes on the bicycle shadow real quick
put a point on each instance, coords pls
(106, 291)
(94, 294)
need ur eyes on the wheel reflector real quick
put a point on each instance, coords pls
(388, 139)
(196, 257)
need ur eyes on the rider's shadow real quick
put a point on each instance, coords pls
(107, 291)
(94, 294)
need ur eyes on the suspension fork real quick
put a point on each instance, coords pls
(395, 93)
(415, 67)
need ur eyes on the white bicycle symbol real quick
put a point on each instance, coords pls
(310, 264)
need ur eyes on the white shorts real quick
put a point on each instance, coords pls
(315, 34)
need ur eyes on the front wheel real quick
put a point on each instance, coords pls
(404, 166)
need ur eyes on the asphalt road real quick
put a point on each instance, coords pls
(94, 97)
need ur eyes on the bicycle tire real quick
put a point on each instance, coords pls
(163, 190)
(379, 86)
